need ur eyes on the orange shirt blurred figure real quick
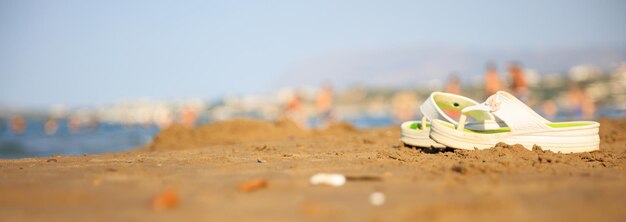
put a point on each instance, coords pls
(188, 118)
(324, 105)
(493, 83)
(518, 82)
(18, 125)
(453, 85)
(293, 110)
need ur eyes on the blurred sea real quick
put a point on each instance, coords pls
(102, 138)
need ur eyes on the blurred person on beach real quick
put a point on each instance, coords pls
(93, 123)
(293, 110)
(404, 106)
(493, 82)
(580, 103)
(453, 85)
(324, 105)
(18, 125)
(519, 84)
(74, 124)
(188, 117)
(51, 126)
(163, 119)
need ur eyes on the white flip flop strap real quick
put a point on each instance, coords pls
(433, 107)
(431, 111)
(518, 116)
(480, 113)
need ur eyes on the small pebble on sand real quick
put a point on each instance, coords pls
(377, 198)
(330, 179)
(253, 185)
(166, 199)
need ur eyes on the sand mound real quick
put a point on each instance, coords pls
(337, 129)
(225, 132)
(612, 134)
(237, 131)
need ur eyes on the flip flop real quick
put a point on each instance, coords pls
(416, 133)
(523, 126)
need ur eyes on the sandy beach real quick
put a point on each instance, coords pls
(212, 173)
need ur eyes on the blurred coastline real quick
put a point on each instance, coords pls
(584, 92)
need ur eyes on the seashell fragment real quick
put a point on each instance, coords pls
(330, 179)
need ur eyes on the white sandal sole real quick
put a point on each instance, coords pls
(417, 137)
(565, 140)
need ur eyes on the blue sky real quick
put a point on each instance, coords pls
(78, 52)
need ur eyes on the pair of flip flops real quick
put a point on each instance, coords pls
(501, 118)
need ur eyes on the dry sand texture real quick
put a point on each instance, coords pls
(256, 171)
